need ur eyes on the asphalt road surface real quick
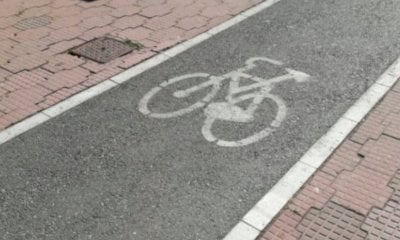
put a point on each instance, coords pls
(106, 170)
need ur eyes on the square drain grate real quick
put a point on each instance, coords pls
(33, 22)
(103, 49)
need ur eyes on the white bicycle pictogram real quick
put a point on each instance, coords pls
(228, 110)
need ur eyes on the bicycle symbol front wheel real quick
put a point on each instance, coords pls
(279, 117)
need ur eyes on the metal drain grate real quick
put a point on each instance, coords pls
(103, 49)
(33, 22)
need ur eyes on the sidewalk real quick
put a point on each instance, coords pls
(36, 70)
(356, 193)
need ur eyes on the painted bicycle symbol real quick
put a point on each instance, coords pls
(228, 109)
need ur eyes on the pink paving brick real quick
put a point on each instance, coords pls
(131, 60)
(164, 22)
(172, 33)
(146, 3)
(97, 32)
(33, 34)
(129, 22)
(67, 78)
(62, 62)
(156, 10)
(63, 46)
(25, 79)
(3, 74)
(35, 37)
(63, 22)
(125, 11)
(189, 23)
(362, 189)
(25, 62)
(90, 11)
(316, 194)
(284, 227)
(97, 21)
(65, 11)
(345, 158)
(215, 11)
(137, 34)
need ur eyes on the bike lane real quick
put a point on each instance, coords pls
(106, 170)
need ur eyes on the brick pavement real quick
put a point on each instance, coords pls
(356, 193)
(36, 70)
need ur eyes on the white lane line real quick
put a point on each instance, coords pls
(272, 203)
(79, 98)
(243, 231)
(89, 93)
(22, 127)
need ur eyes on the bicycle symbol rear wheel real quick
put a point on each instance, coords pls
(145, 102)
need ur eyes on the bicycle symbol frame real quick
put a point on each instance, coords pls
(229, 110)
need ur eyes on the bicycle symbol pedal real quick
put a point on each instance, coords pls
(228, 112)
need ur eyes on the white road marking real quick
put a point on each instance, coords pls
(228, 110)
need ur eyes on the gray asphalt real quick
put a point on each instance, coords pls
(105, 171)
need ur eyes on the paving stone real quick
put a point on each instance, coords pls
(96, 21)
(62, 62)
(362, 189)
(129, 61)
(119, 3)
(25, 62)
(375, 124)
(345, 158)
(216, 11)
(137, 34)
(63, 46)
(95, 11)
(331, 222)
(167, 34)
(64, 22)
(284, 227)
(66, 11)
(381, 155)
(125, 11)
(67, 78)
(35, 11)
(3, 74)
(383, 224)
(129, 22)
(395, 184)
(192, 22)
(146, 3)
(315, 194)
(97, 32)
(156, 10)
(164, 22)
